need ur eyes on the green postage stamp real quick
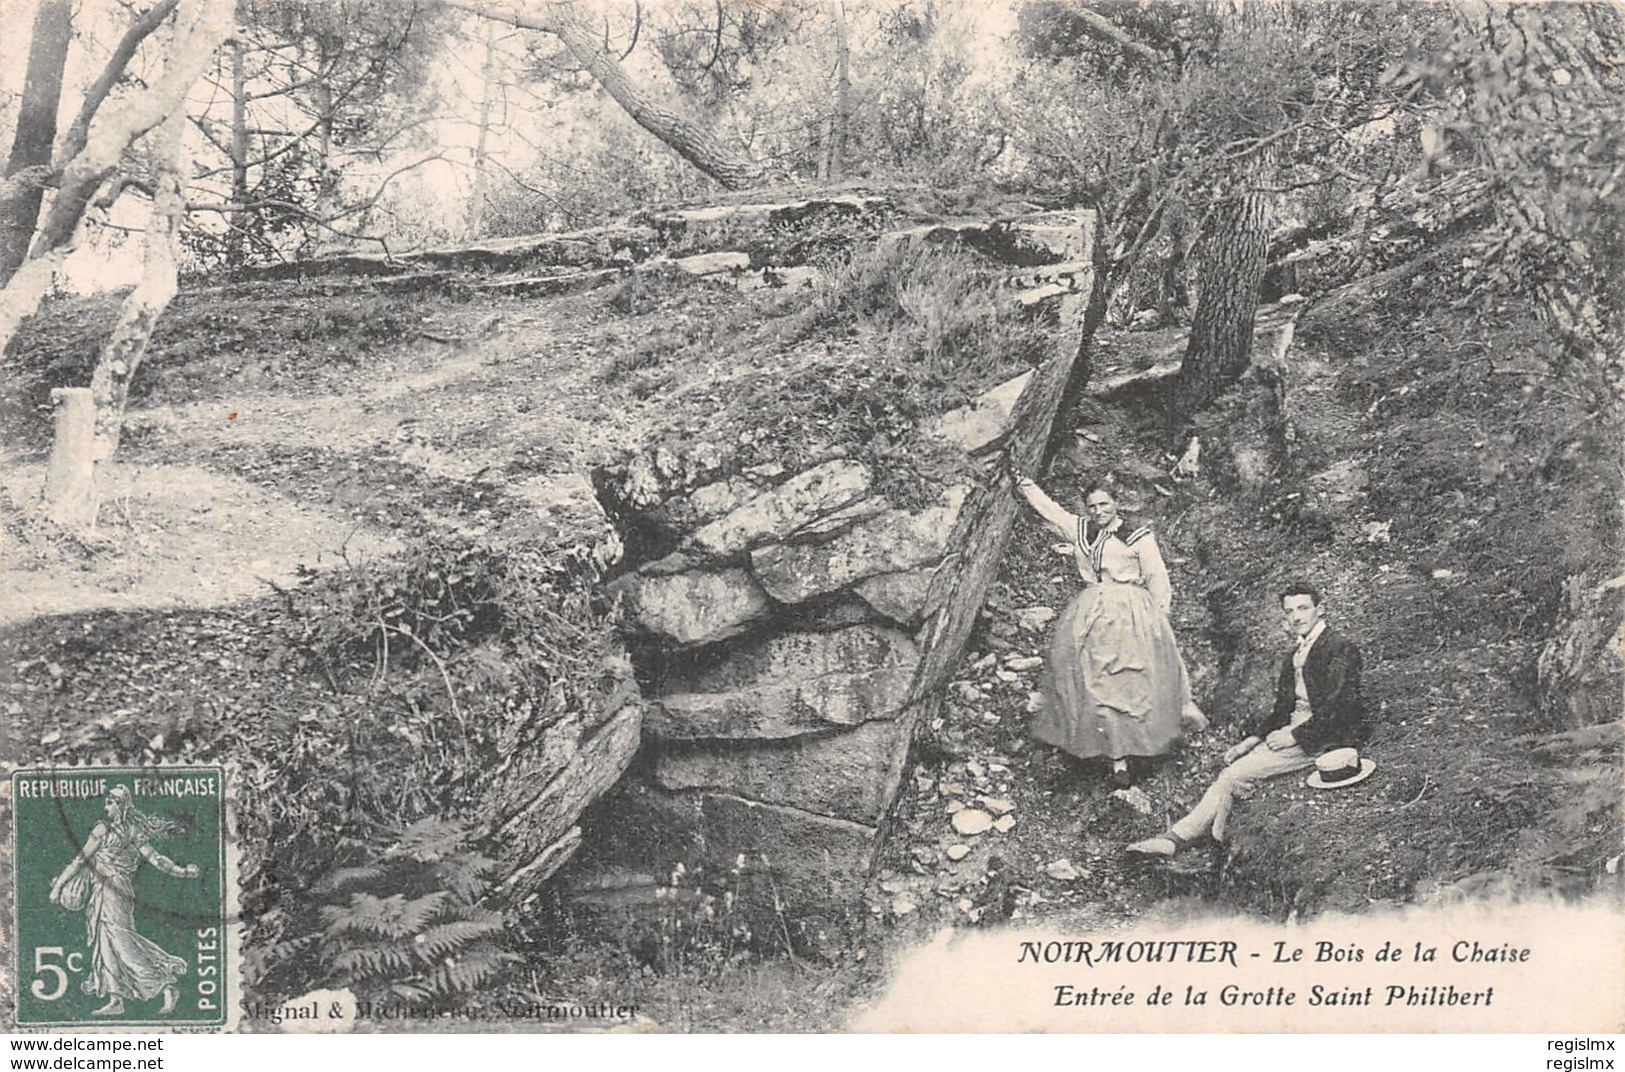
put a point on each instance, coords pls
(121, 892)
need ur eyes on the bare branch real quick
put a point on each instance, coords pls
(637, 27)
(138, 31)
(1103, 28)
(716, 49)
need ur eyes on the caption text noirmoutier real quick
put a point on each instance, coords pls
(1222, 953)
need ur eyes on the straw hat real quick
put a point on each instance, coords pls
(1338, 768)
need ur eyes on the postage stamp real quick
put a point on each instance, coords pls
(121, 896)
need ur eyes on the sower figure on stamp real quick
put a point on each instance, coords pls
(1318, 711)
(99, 881)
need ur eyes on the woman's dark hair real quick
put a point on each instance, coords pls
(1301, 588)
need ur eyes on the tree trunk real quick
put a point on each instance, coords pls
(1234, 251)
(121, 356)
(1082, 367)
(1171, 280)
(1581, 296)
(200, 32)
(843, 95)
(476, 199)
(72, 477)
(36, 129)
(70, 489)
(682, 133)
(236, 236)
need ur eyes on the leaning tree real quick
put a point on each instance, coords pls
(87, 164)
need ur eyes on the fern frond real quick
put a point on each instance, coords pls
(464, 875)
(459, 975)
(412, 993)
(444, 939)
(430, 840)
(258, 961)
(386, 917)
(337, 880)
(370, 961)
(418, 912)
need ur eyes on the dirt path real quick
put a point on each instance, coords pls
(172, 537)
(211, 501)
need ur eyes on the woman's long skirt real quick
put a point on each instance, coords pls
(1115, 684)
(123, 964)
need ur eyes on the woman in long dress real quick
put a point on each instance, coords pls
(1116, 686)
(123, 964)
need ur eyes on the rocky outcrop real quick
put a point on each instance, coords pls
(559, 762)
(790, 629)
(789, 684)
(751, 245)
(893, 542)
(697, 606)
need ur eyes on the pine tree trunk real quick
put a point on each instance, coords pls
(686, 137)
(843, 95)
(1580, 298)
(476, 199)
(236, 235)
(1171, 280)
(36, 129)
(1234, 250)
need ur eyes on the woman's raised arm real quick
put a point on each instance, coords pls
(1058, 517)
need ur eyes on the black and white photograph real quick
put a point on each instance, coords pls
(814, 517)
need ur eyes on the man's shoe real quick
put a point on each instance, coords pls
(1166, 846)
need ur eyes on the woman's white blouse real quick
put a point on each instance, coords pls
(1128, 554)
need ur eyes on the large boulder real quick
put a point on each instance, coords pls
(982, 423)
(536, 832)
(789, 684)
(694, 607)
(849, 774)
(785, 857)
(891, 543)
(799, 501)
(902, 597)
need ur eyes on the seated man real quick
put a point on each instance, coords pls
(1318, 706)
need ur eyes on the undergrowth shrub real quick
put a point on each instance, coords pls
(443, 660)
(820, 235)
(909, 331)
(888, 338)
(939, 308)
(397, 921)
(696, 925)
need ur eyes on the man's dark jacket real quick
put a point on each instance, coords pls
(1331, 676)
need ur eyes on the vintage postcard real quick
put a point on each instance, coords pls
(812, 516)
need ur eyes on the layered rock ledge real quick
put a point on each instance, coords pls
(793, 630)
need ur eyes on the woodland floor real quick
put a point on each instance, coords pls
(276, 432)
